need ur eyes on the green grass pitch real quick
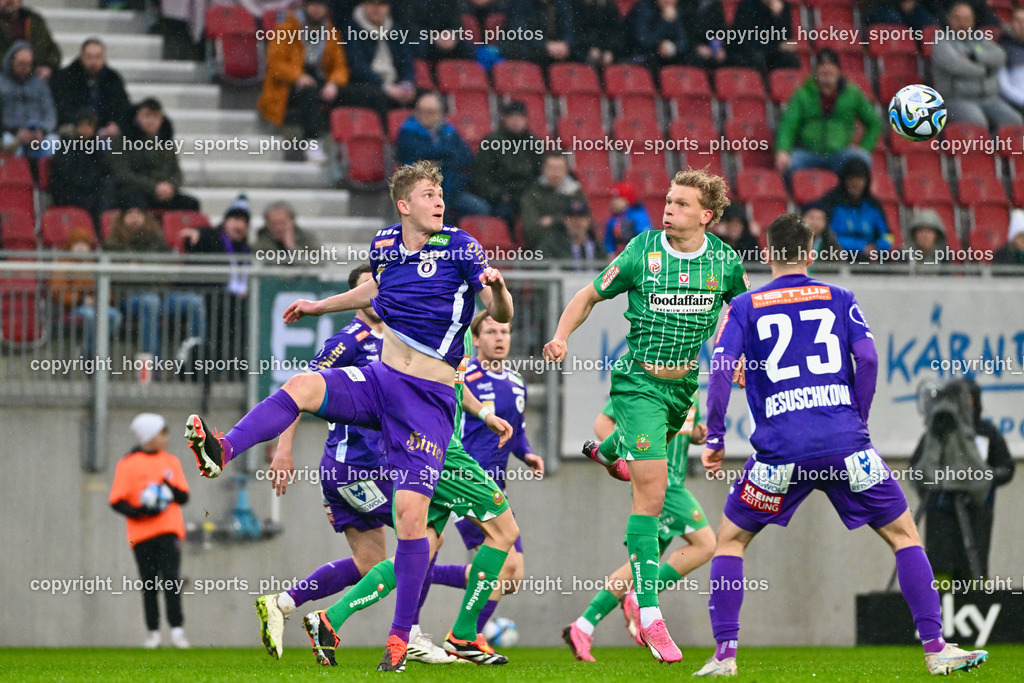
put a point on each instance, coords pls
(1006, 663)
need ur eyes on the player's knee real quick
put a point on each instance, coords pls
(305, 389)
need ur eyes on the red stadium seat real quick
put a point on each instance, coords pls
(684, 82)
(898, 64)
(583, 105)
(628, 79)
(458, 75)
(966, 132)
(43, 169)
(15, 171)
(784, 82)
(491, 232)
(649, 184)
(107, 222)
(570, 77)
(748, 109)
(763, 212)
(838, 16)
(655, 208)
(601, 209)
(752, 143)
(652, 162)
(733, 82)
(864, 83)
(712, 162)
(978, 164)
(890, 39)
(493, 22)
(891, 210)
(176, 221)
(58, 222)
(1011, 141)
(696, 133)
(883, 188)
(363, 160)
(232, 46)
(760, 183)
(354, 122)
(578, 128)
(17, 230)
(987, 231)
(513, 77)
(424, 77)
(470, 101)
(471, 27)
(472, 126)
(928, 40)
(810, 184)
(638, 129)
(17, 190)
(536, 114)
(638, 107)
(889, 85)
(396, 118)
(975, 190)
(924, 165)
(593, 169)
(21, 320)
(926, 190)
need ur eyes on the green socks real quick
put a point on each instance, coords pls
(667, 576)
(603, 603)
(371, 589)
(642, 545)
(483, 578)
(607, 450)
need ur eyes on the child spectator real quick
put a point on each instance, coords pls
(75, 293)
(149, 489)
(629, 218)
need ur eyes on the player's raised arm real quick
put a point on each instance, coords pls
(572, 317)
(355, 298)
(495, 295)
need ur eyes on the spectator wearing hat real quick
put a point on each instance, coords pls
(75, 293)
(149, 489)
(508, 161)
(28, 118)
(734, 230)
(576, 240)
(306, 75)
(629, 218)
(1012, 253)
(927, 238)
(19, 23)
(280, 233)
(855, 216)
(145, 161)
(81, 175)
(544, 202)
(90, 82)
(428, 135)
(819, 122)
(825, 245)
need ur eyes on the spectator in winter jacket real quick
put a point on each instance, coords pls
(576, 240)
(81, 174)
(1011, 76)
(629, 218)
(817, 128)
(599, 32)
(545, 201)
(280, 233)
(1012, 253)
(773, 17)
(825, 245)
(428, 135)
(906, 12)
(148, 163)
(926, 235)
(540, 31)
(734, 230)
(855, 216)
(435, 34)
(27, 115)
(658, 35)
(89, 82)
(18, 23)
(707, 18)
(508, 161)
(383, 75)
(966, 72)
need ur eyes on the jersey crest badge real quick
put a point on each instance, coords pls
(712, 282)
(654, 262)
(427, 268)
(643, 442)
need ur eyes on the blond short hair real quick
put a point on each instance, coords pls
(406, 177)
(714, 190)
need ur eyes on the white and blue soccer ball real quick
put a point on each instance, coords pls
(156, 497)
(917, 113)
(501, 632)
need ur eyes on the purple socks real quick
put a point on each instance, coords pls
(725, 602)
(267, 420)
(411, 560)
(425, 591)
(917, 585)
(329, 579)
(485, 614)
(453, 575)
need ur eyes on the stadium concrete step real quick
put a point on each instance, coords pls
(124, 46)
(156, 70)
(44, 6)
(205, 171)
(307, 203)
(99, 22)
(197, 121)
(226, 147)
(177, 95)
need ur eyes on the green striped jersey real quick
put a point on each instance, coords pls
(674, 297)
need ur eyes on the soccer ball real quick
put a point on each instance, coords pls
(156, 497)
(501, 632)
(917, 113)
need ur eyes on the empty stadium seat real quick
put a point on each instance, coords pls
(512, 77)
(864, 83)
(628, 79)
(883, 188)
(695, 130)
(572, 77)
(578, 128)
(470, 102)
(747, 108)
(472, 126)
(593, 169)
(396, 118)
(782, 83)
(760, 183)
(838, 16)
(978, 164)
(652, 162)
(638, 129)
(354, 122)
(899, 65)
(59, 221)
(21, 322)
(456, 75)
(424, 78)
(810, 184)
(712, 162)
(1011, 141)
(491, 232)
(923, 165)
(601, 210)
(649, 184)
(363, 159)
(232, 45)
(17, 230)
(987, 230)
(751, 136)
(890, 39)
(689, 82)
(925, 190)
(584, 105)
(17, 190)
(176, 221)
(976, 190)
(733, 82)
(107, 222)
(44, 168)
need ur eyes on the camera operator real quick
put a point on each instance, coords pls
(962, 459)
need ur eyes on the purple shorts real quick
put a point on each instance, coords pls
(860, 486)
(414, 416)
(474, 538)
(357, 497)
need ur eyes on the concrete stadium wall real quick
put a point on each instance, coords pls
(57, 524)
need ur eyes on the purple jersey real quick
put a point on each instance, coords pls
(797, 335)
(426, 297)
(506, 393)
(356, 344)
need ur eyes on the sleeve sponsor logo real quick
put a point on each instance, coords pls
(475, 376)
(362, 335)
(759, 500)
(380, 244)
(354, 374)
(680, 303)
(721, 328)
(792, 295)
(609, 275)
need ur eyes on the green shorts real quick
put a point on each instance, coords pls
(648, 409)
(681, 515)
(464, 489)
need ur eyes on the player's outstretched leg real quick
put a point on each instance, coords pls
(323, 637)
(206, 445)
(616, 466)
(421, 645)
